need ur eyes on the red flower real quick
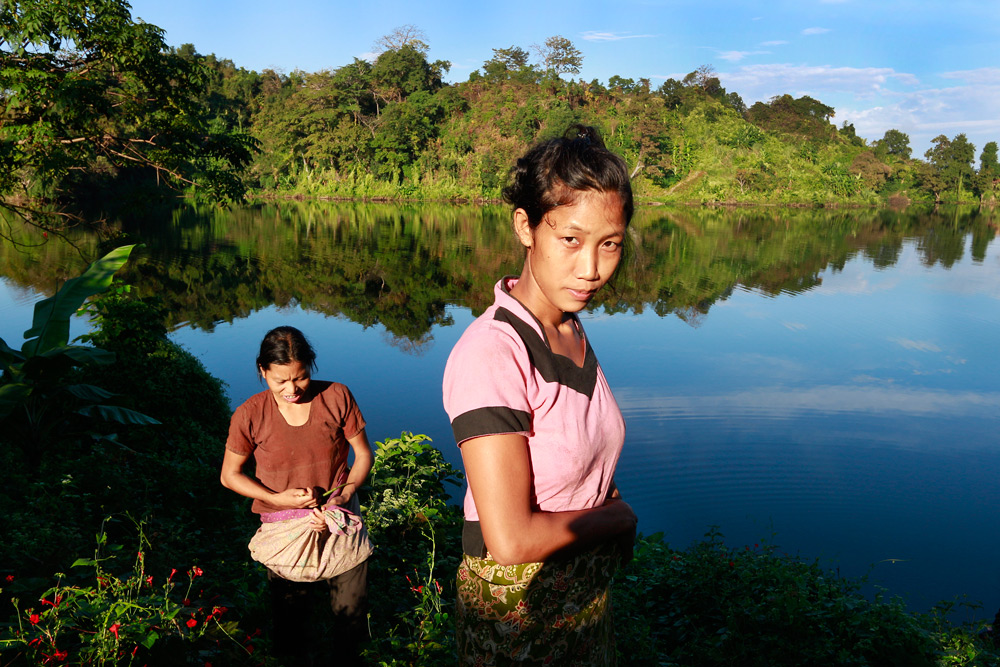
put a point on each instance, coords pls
(197, 571)
(60, 655)
(219, 611)
(186, 602)
(34, 619)
(191, 623)
(141, 555)
(114, 629)
(173, 571)
(9, 578)
(149, 580)
(732, 564)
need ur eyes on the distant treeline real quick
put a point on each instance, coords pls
(391, 128)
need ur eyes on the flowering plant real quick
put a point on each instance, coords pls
(119, 618)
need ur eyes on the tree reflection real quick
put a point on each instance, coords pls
(400, 267)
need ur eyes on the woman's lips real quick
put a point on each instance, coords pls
(581, 295)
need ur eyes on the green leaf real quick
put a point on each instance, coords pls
(150, 639)
(12, 395)
(50, 326)
(8, 356)
(113, 413)
(84, 562)
(88, 392)
(81, 354)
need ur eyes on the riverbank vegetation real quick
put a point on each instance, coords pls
(121, 547)
(96, 103)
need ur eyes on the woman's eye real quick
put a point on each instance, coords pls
(612, 245)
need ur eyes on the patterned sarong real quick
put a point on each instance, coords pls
(554, 613)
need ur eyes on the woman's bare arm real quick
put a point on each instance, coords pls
(363, 459)
(499, 473)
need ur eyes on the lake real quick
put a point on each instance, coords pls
(826, 381)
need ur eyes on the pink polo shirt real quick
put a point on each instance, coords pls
(502, 377)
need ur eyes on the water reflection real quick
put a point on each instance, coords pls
(828, 376)
(399, 266)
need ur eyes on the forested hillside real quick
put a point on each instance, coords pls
(391, 128)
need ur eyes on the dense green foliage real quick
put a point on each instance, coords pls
(88, 94)
(120, 103)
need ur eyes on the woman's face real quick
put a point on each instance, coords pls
(571, 254)
(288, 382)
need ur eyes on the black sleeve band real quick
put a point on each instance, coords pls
(490, 421)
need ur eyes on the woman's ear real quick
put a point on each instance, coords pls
(522, 227)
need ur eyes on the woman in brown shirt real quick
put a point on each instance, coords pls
(298, 431)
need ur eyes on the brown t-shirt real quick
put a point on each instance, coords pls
(314, 454)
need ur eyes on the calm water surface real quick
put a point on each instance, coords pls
(824, 381)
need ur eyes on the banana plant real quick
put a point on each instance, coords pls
(38, 401)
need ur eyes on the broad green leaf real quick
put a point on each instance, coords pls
(84, 562)
(8, 355)
(113, 413)
(81, 354)
(12, 395)
(88, 392)
(50, 326)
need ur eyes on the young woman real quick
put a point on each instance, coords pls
(298, 431)
(538, 427)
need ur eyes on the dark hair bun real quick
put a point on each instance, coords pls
(552, 172)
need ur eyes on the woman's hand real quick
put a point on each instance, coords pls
(624, 541)
(317, 521)
(294, 499)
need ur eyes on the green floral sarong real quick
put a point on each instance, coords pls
(554, 613)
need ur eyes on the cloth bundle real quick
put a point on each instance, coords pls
(289, 547)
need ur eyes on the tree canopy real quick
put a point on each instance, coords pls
(85, 88)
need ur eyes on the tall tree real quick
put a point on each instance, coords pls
(952, 161)
(82, 83)
(894, 143)
(988, 160)
(506, 62)
(405, 35)
(987, 179)
(559, 56)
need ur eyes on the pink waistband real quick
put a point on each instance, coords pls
(285, 515)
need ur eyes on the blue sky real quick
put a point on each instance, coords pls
(925, 68)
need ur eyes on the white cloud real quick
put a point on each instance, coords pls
(596, 36)
(924, 114)
(989, 76)
(815, 31)
(761, 82)
(917, 345)
(774, 42)
(736, 56)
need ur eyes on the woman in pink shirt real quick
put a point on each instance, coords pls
(538, 426)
